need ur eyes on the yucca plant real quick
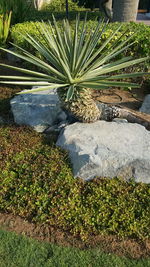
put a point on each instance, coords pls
(5, 20)
(72, 64)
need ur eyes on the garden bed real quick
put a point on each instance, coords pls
(41, 198)
(37, 184)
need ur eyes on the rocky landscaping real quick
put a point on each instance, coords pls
(72, 178)
(124, 152)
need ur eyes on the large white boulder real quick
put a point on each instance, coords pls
(108, 149)
(39, 109)
(146, 105)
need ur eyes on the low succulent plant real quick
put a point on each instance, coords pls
(71, 63)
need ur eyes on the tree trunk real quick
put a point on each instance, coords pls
(38, 4)
(125, 10)
(82, 108)
(106, 7)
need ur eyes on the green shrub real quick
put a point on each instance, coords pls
(60, 5)
(140, 38)
(140, 32)
(20, 9)
(47, 15)
(5, 20)
(26, 27)
(37, 183)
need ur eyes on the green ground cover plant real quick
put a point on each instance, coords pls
(37, 183)
(24, 252)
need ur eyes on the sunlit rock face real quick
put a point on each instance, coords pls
(39, 109)
(108, 149)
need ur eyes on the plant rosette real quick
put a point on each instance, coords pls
(70, 63)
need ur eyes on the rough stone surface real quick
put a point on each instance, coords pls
(57, 127)
(119, 120)
(146, 105)
(108, 149)
(39, 110)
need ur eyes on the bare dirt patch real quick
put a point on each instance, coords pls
(130, 248)
(130, 100)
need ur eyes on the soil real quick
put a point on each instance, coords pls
(131, 248)
(128, 99)
(110, 244)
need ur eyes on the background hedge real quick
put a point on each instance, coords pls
(140, 36)
(59, 6)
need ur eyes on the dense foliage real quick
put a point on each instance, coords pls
(45, 15)
(140, 33)
(5, 20)
(60, 5)
(20, 9)
(37, 183)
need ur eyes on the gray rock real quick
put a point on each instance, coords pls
(108, 113)
(146, 105)
(119, 120)
(39, 110)
(57, 127)
(108, 149)
(40, 128)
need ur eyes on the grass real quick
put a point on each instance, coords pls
(19, 251)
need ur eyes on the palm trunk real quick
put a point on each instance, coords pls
(83, 107)
(106, 7)
(125, 10)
